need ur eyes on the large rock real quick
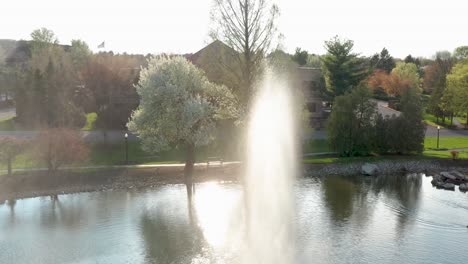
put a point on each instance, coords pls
(458, 175)
(463, 187)
(369, 169)
(447, 175)
(449, 186)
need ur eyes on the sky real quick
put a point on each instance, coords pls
(416, 27)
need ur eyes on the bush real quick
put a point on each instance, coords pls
(350, 127)
(403, 134)
(355, 128)
(59, 146)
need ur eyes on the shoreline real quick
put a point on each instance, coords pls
(33, 184)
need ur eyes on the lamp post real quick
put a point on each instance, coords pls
(126, 148)
(438, 130)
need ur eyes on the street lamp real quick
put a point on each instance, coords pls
(126, 148)
(438, 131)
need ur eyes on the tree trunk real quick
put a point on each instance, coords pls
(466, 124)
(9, 166)
(189, 163)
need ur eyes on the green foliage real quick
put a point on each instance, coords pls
(402, 134)
(455, 98)
(435, 82)
(90, 122)
(300, 57)
(412, 128)
(45, 85)
(44, 36)
(383, 61)
(79, 53)
(7, 124)
(461, 53)
(408, 71)
(342, 68)
(314, 61)
(178, 106)
(350, 128)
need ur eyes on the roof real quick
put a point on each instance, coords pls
(214, 47)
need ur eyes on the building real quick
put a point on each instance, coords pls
(219, 62)
(311, 83)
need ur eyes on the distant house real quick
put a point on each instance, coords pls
(310, 81)
(219, 62)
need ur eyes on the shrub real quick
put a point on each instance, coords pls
(454, 154)
(59, 146)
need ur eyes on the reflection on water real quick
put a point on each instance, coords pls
(339, 219)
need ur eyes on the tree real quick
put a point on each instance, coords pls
(59, 146)
(350, 127)
(389, 84)
(44, 35)
(343, 69)
(109, 88)
(314, 61)
(461, 53)
(247, 26)
(435, 77)
(383, 61)
(179, 107)
(411, 129)
(456, 94)
(409, 72)
(10, 147)
(80, 53)
(300, 57)
(45, 96)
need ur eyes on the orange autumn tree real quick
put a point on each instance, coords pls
(403, 77)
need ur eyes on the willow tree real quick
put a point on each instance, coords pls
(247, 26)
(179, 107)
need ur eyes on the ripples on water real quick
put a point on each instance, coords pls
(339, 220)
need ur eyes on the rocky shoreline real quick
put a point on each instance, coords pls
(35, 184)
(429, 167)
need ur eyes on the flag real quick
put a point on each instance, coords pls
(101, 46)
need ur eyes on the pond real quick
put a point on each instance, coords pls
(397, 219)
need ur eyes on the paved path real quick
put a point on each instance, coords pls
(431, 131)
(142, 166)
(112, 136)
(384, 110)
(7, 113)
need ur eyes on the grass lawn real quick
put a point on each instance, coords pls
(446, 142)
(316, 145)
(430, 144)
(7, 124)
(432, 120)
(462, 120)
(114, 154)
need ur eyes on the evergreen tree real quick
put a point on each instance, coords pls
(342, 68)
(350, 127)
(411, 129)
(383, 61)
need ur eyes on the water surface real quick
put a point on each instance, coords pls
(399, 219)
